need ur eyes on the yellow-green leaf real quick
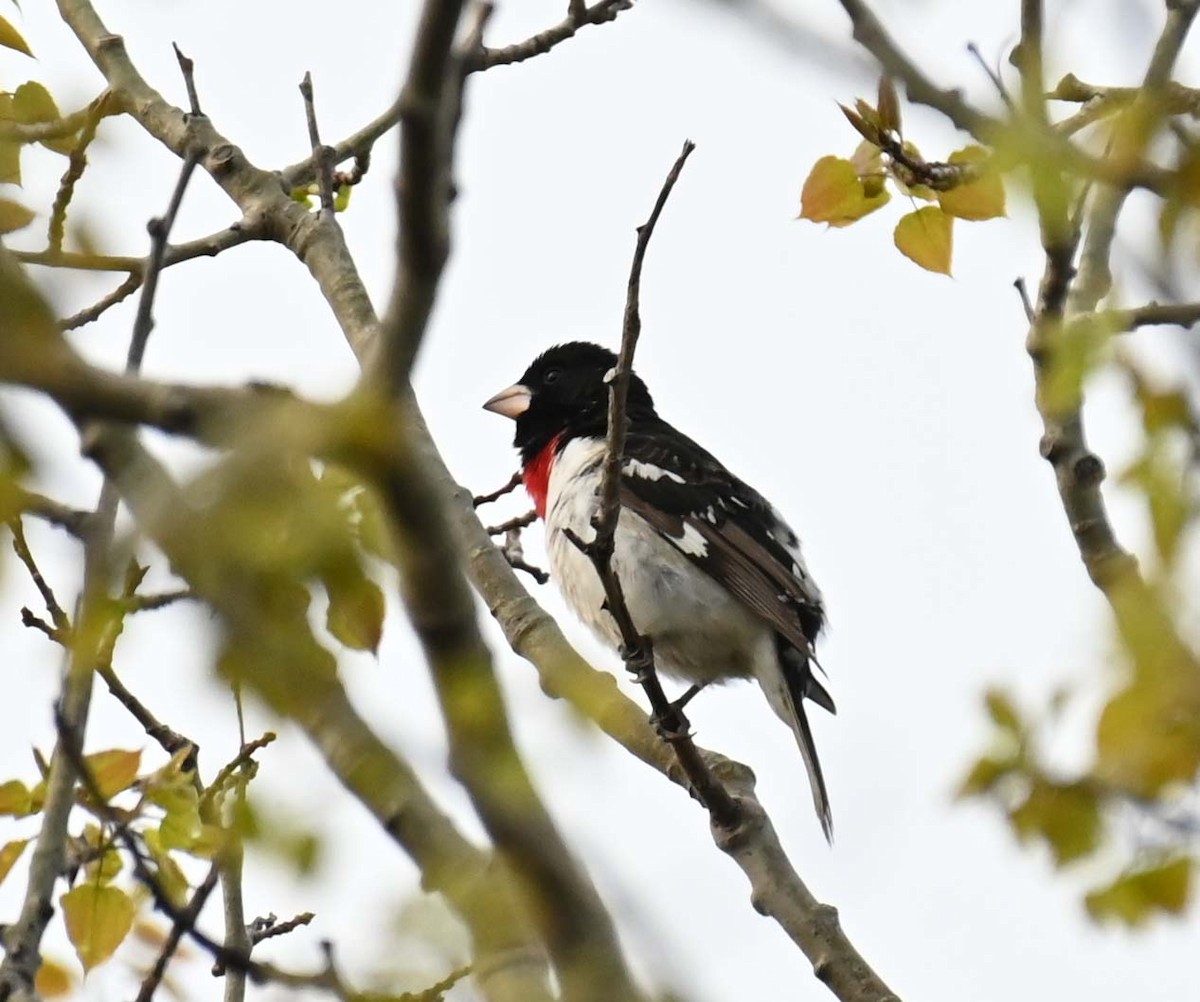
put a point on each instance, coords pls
(984, 775)
(982, 198)
(181, 826)
(10, 38)
(31, 102)
(13, 216)
(834, 194)
(341, 199)
(15, 798)
(9, 854)
(1002, 711)
(356, 609)
(104, 868)
(114, 770)
(926, 237)
(1066, 815)
(98, 917)
(53, 979)
(10, 162)
(1134, 897)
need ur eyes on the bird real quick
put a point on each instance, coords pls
(712, 574)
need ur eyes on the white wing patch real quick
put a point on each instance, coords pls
(648, 471)
(691, 542)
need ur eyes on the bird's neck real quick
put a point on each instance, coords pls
(536, 473)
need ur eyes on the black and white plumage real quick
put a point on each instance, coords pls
(711, 573)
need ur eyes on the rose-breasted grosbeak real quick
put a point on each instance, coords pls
(711, 573)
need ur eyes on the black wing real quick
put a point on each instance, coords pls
(674, 484)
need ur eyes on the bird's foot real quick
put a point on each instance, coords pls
(671, 724)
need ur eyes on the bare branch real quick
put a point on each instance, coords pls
(62, 624)
(74, 520)
(513, 483)
(424, 188)
(636, 649)
(188, 68)
(127, 288)
(321, 154)
(76, 165)
(520, 522)
(159, 229)
(579, 15)
(1151, 315)
(186, 921)
(870, 33)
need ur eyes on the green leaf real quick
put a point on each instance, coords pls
(180, 827)
(15, 798)
(10, 161)
(1134, 897)
(9, 854)
(926, 237)
(114, 770)
(1066, 815)
(10, 38)
(1149, 736)
(1002, 711)
(14, 216)
(356, 609)
(982, 198)
(170, 875)
(834, 194)
(98, 917)
(984, 775)
(341, 199)
(105, 868)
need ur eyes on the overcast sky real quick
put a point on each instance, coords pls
(886, 411)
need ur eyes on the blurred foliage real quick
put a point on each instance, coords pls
(840, 192)
(1146, 756)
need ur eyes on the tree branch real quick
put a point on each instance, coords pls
(579, 15)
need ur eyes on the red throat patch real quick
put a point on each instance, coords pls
(536, 475)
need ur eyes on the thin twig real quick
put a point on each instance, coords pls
(56, 229)
(130, 285)
(74, 520)
(578, 16)
(149, 603)
(637, 652)
(159, 229)
(244, 757)
(1026, 302)
(188, 68)
(62, 623)
(514, 553)
(511, 485)
(520, 522)
(187, 921)
(993, 76)
(321, 154)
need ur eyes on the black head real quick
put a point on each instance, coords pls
(564, 391)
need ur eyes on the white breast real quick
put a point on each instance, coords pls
(699, 631)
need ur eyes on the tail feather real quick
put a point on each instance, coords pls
(799, 682)
(808, 751)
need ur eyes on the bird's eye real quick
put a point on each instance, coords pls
(551, 377)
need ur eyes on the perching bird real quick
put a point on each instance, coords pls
(711, 574)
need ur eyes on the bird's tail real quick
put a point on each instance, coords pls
(808, 751)
(786, 684)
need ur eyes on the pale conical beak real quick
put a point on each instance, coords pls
(511, 402)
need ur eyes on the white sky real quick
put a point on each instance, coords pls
(886, 411)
